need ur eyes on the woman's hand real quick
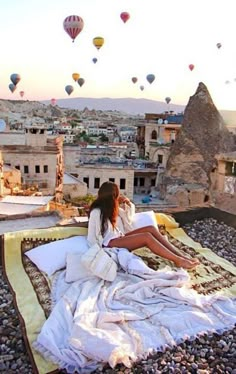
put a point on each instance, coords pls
(124, 200)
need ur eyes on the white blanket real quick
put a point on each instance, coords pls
(94, 322)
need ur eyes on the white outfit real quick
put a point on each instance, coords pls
(123, 225)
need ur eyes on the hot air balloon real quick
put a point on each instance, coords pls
(81, 81)
(53, 101)
(141, 88)
(94, 60)
(191, 67)
(168, 100)
(98, 42)
(22, 93)
(219, 45)
(12, 87)
(150, 78)
(125, 16)
(69, 89)
(73, 25)
(75, 76)
(134, 79)
(15, 78)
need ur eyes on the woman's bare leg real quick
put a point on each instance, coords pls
(157, 235)
(135, 241)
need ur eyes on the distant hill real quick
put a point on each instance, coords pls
(125, 105)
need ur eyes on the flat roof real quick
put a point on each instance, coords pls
(26, 200)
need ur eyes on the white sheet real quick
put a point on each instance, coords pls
(95, 321)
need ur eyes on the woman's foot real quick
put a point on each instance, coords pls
(186, 263)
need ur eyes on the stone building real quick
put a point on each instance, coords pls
(96, 174)
(155, 135)
(223, 182)
(73, 187)
(40, 160)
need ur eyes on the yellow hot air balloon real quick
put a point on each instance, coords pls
(75, 76)
(98, 42)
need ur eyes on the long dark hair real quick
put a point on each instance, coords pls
(107, 202)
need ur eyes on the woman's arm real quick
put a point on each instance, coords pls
(94, 228)
(127, 215)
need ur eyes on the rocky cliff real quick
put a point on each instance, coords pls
(192, 158)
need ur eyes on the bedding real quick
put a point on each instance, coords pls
(131, 307)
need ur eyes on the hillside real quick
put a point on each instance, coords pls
(126, 105)
(20, 108)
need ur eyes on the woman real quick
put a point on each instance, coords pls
(107, 229)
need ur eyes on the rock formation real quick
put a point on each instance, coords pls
(203, 135)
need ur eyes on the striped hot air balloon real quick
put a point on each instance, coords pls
(73, 25)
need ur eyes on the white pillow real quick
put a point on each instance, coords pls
(143, 219)
(75, 270)
(51, 257)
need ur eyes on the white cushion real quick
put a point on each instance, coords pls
(143, 219)
(51, 257)
(100, 263)
(75, 270)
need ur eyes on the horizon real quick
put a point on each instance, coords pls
(40, 50)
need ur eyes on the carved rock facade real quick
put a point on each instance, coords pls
(187, 178)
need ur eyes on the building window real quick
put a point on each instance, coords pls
(141, 182)
(230, 168)
(45, 168)
(135, 182)
(37, 169)
(17, 167)
(26, 169)
(86, 180)
(96, 182)
(112, 180)
(160, 159)
(153, 182)
(154, 135)
(122, 183)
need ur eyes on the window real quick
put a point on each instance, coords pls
(112, 180)
(153, 182)
(96, 182)
(26, 169)
(160, 159)
(122, 183)
(230, 168)
(17, 167)
(135, 182)
(45, 168)
(37, 169)
(154, 135)
(86, 180)
(141, 182)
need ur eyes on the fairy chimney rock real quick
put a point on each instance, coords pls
(192, 158)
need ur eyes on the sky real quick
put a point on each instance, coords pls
(162, 37)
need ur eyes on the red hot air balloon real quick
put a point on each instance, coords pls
(134, 79)
(191, 67)
(125, 16)
(53, 101)
(22, 93)
(73, 25)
